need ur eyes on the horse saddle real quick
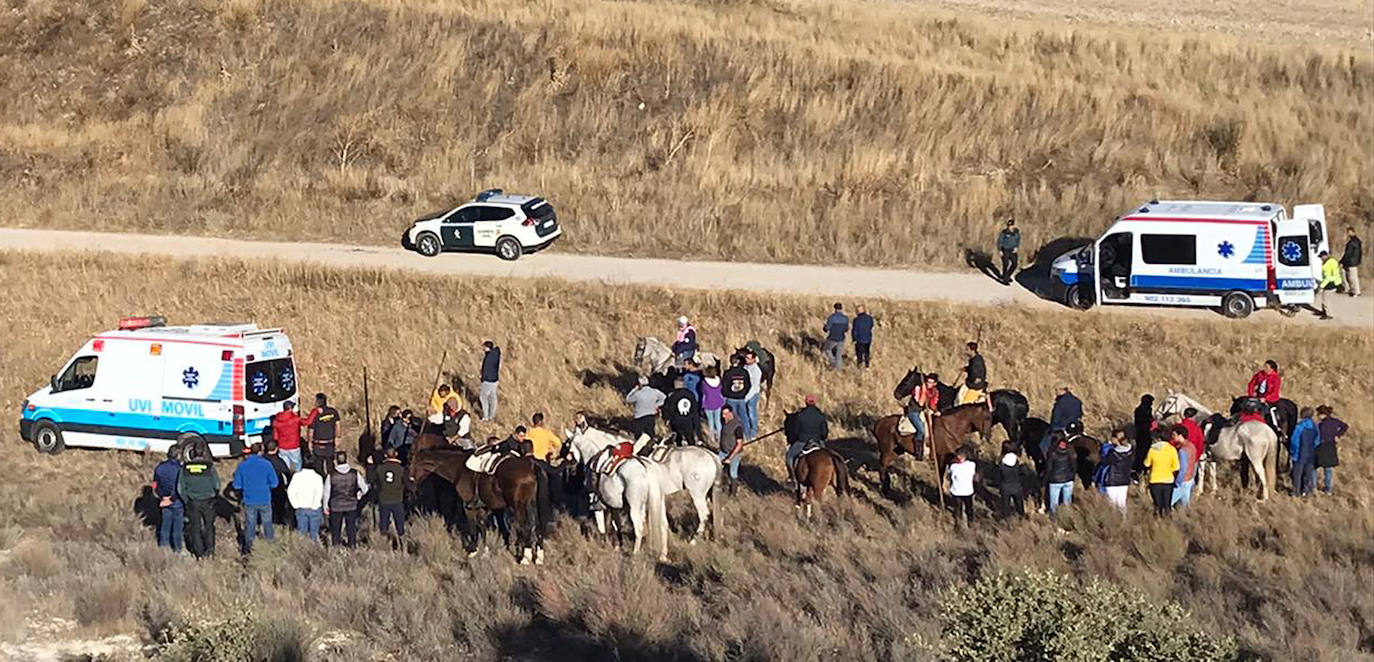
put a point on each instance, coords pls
(606, 463)
(905, 427)
(659, 452)
(486, 463)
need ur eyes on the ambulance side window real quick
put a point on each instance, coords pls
(80, 374)
(1168, 249)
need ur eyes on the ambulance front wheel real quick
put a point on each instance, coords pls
(48, 439)
(1237, 305)
(1076, 297)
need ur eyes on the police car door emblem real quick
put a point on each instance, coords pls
(190, 377)
(1226, 249)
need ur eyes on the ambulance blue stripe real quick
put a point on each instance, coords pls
(129, 420)
(1200, 283)
(1257, 255)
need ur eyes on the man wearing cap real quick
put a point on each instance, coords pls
(836, 327)
(491, 376)
(1008, 244)
(685, 346)
(811, 426)
(644, 401)
(1331, 279)
(322, 428)
(286, 431)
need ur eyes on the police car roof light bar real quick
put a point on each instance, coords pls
(133, 323)
(488, 194)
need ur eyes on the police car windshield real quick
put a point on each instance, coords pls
(270, 381)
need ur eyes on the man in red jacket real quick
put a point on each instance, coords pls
(1265, 386)
(1195, 436)
(286, 431)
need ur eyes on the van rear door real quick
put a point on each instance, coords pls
(1314, 216)
(1294, 259)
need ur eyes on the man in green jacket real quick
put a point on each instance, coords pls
(199, 487)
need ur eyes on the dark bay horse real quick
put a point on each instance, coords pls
(1009, 407)
(816, 470)
(947, 434)
(519, 490)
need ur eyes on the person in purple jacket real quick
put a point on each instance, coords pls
(711, 399)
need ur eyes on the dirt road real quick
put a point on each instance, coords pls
(839, 282)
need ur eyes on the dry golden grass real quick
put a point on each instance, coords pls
(1287, 578)
(770, 130)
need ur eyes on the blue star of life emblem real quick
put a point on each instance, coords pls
(259, 383)
(190, 377)
(1226, 249)
(1291, 251)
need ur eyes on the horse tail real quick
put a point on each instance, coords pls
(657, 514)
(543, 504)
(841, 474)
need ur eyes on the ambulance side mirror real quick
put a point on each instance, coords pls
(52, 383)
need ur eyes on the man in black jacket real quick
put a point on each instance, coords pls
(1350, 262)
(1059, 472)
(1014, 478)
(975, 376)
(1008, 244)
(491, 377)
(683, 413)
(1144, 424)
(811, 426)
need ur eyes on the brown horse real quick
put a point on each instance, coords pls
(818, 470)
(519, 489)
(946, 434)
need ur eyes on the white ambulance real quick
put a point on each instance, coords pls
(1234, 256)
(147, 386)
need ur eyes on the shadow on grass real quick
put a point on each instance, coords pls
(982, 261)
(544, 637)
(1036, 276)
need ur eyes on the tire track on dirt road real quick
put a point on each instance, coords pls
(831, 281)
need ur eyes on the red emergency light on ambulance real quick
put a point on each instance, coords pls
(148, 386)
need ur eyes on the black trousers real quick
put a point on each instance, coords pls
(686, 432)
(963, 507)
(1009, 262)
(343, 522)
(643, 425)
(1162, 494)
(200, 527)
(1013, 504)
(862, 353)
(388, 512)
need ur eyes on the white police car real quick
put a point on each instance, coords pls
(494, 222)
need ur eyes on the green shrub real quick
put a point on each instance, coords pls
(240, 637)
(1046, 616)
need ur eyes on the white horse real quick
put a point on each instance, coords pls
(1174, 405)
(636, 485)
(654, 357)
(1255, 441)
(693, 469)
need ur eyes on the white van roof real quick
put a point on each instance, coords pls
(192, 331)
(1203, 210)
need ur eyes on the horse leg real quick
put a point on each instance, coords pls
(640, 520)
(703, 515)
(1263, 478)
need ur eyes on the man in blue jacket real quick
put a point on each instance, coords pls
(491, 375)
(863, 337)
(1067, 409)
(165, 478)
(836, 327)
(1302, 447)
(254, 479)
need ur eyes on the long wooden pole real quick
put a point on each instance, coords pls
(438, 375)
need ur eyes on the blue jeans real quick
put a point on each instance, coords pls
(1060, 494)
(751, 429)
(1304, 478)
(1183, 494)
(713, 422)
(1328, 476)
(741, 409)
(308, 522)
(170, 532)
(252, 517)
(917, 420)
(292, 458)
(734, 464)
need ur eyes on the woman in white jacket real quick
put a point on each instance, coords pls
(306, 494)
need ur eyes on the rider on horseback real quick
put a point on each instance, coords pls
(810, 428)
(685, 344)
(975, 386)
(1264, 385)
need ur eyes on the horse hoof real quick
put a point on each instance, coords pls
(539, 557)
(693, 541)
(472, 554)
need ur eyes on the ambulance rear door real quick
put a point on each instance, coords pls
(1295, 281)
(1314, 217)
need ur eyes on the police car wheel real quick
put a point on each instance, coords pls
(1237, 305)
(48, 439)
(428, 245)
(507, 248)
(1075, 297)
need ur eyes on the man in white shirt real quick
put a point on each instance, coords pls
(751, 401)
(961, 475)
(306, 494)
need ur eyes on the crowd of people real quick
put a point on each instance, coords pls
(298, 478)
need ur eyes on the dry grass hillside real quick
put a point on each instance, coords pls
(1287, 579)
(770, 130)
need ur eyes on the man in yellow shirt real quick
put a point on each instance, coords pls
(544, 444)
(436, 403)
(1331, 279)
(1162, 461)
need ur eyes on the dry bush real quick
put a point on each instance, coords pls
(862, 581)
(103, 602)
(895, 134)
